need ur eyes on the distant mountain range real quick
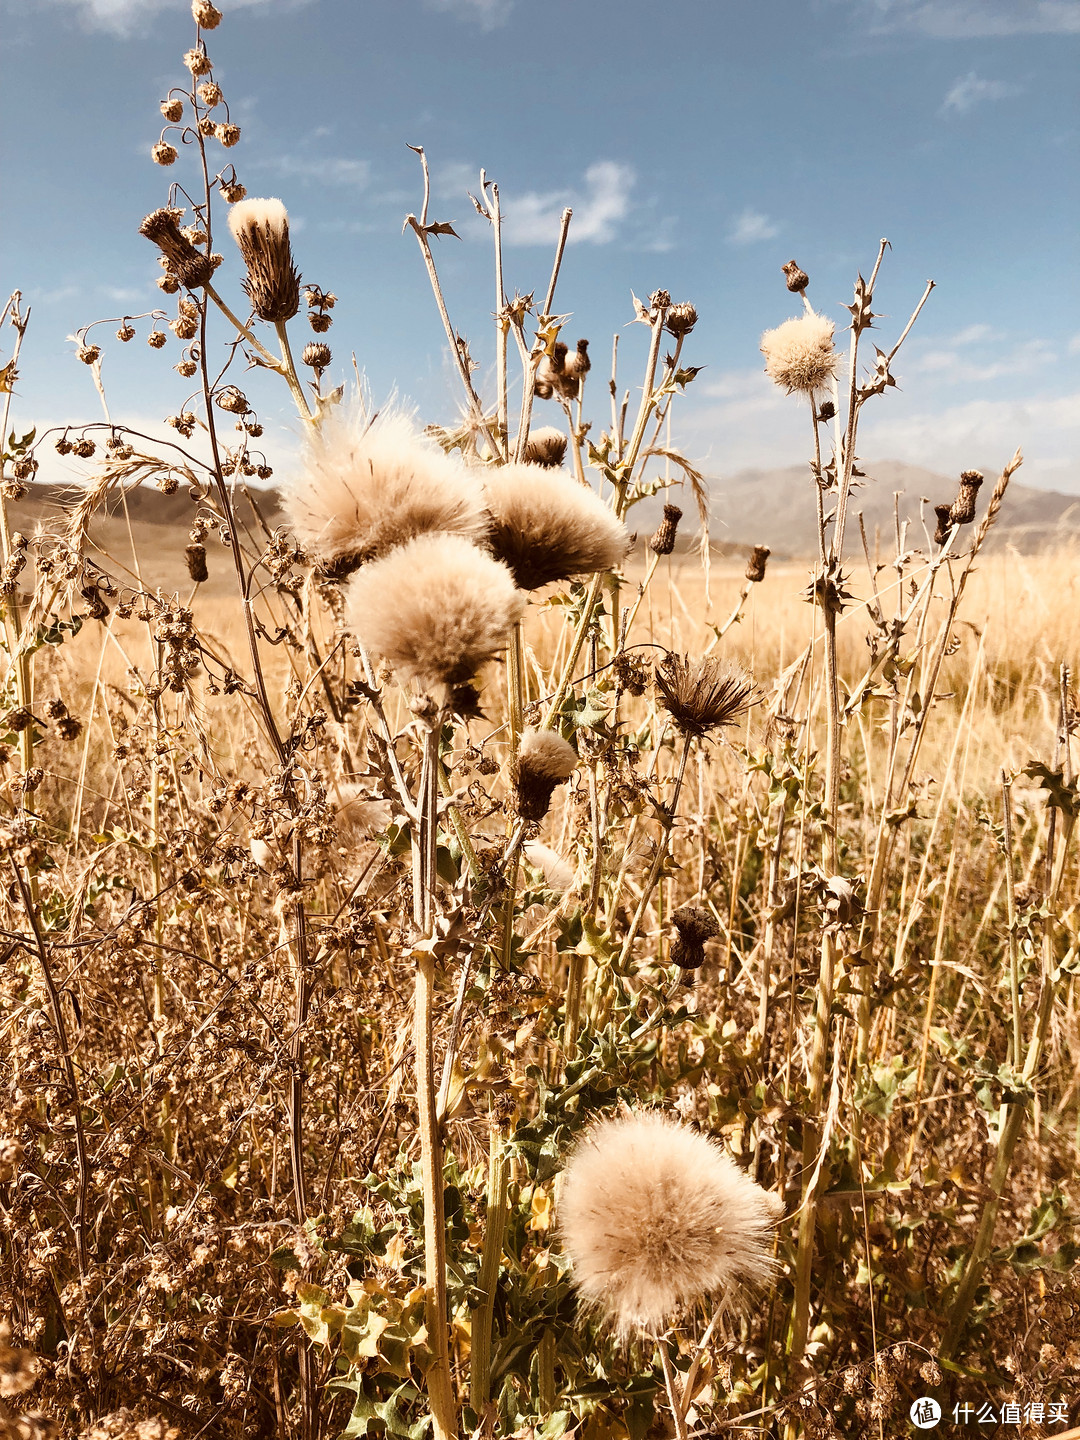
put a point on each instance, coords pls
(753, 507)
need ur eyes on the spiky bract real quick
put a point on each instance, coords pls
(655, 1217)
(799, 354)
(546, 526)
(436, 608)
(365, 487)
(703, 695)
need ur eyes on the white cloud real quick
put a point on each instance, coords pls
(325, 170)
(125, 16)
(969, 19)
(751, 227)
(488, 14)
(533, 217)
(996, 363)
(971, 90)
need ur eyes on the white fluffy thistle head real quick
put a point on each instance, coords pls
(365, 487)
(261, 230)
(654, 1217)
(547, 526)
(799, 354)
(558, 873)
(543, 761)
(436, 608)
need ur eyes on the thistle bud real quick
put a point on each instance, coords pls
(316, 354)
(173, 110)
(944, 523)
(963, 507)
(826, 412)
(229, 135)
(797, 280)
(261, 230)
(693, 927)
(163, 153)
(544, 760)
(546, 446)
(755, 569)
(196, 562)
(681, 319)
(663, 542)
(186, 265)
(206, 15)
(19, 719)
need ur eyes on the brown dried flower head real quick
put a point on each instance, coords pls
(543, 761)
(703, 695)
(799, 355)
(755, 566)
(188, 266)
(126, 333)
(172, 110)
(366, 486)
(681, 318)
(694, 925)
(546, 446)
(663, 542)
(797, 279)
(195, 555)
(206, 14)
(944, 523)
(197, 61)
(210, 94)
(156, 339)
(228, 134)
(232, 400)
(316, 355)
(963, 507)
(437, 609)
(546, 526)
(163, 153)
(655, 1217)
(233, 191)
(261, 230)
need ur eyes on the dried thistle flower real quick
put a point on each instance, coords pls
(681, 318)
(316, 354)
(543, 761)
(663, 542)
(156, 339)
(195, 555)
(188, 266)
(85, 447)
(546, 526)
(233, 191)
(755, 566)
(163, 153)
(703, 695)
(126, 333)
(437, 608)
(232, 400)
(205, 14)
(229, 135)
(546, 446)
(944, 523)
(365, 487)
(655, 1217)
(89, 353)
(261, 230)
(210, 94)
(184, 328)
(172, 110)
(694, 925)
(797, 279)
(197, 61)
(319, 323)
(799, 355)
(963, 507)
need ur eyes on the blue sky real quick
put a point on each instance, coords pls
(701, 144)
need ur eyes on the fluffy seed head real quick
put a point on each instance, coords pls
(654, 1217)
(544, 760)
(546, 446)
(365, 487)
(558, 875)
(702, 695)
(261, 230)
(799, 354)
(436, 608)
(546, 526)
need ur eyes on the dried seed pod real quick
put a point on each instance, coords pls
(232, 400)
(163, 153)
(826, 411)
(156, 339)
(197, 61)
(126, 333)
(233, 191)
(797, 279)
(755, 569)
(206, 15)
(693, 926)
(544, 760)
(228, 134)
(663, 542)
(319, 323)
(963, 507)
(210, 94)
(944, 523)
(172, 110)
(195, 555)
(681, 318)
(85, 447)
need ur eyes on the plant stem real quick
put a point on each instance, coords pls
(658, 860)
(494, 1232)
(674, 1399)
